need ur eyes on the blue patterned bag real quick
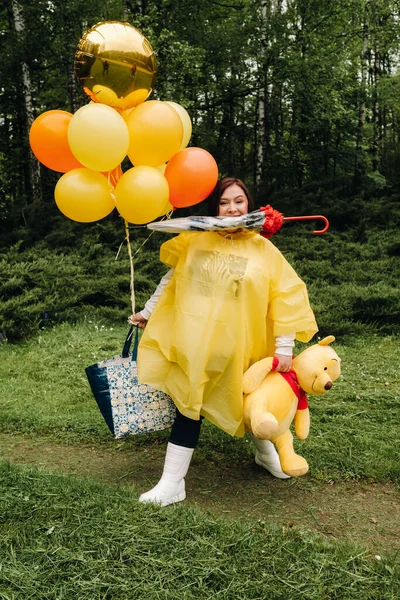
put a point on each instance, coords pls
(128, 406)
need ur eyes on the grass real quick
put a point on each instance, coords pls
(70, 538)
(354, 427)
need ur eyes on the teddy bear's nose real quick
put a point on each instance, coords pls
(328, 385)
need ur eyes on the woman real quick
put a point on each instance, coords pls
(228, 300)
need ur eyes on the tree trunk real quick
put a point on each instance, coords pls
(126, 6)
(276, 105)
(334, 167)
(376, 120)
(261, 122)
(223, 135)
(362, 103)
(130, 8)
(72, 89)
(34, 170)
(297, 130)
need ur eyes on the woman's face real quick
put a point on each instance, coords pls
(233, 202)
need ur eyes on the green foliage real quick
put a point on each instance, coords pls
(296, 66)
(352, 285)
(351, 272)
(62, 278)
(69, 538)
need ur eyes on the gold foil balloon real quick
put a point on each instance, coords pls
(115, 65)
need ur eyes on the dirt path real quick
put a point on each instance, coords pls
(368, 513)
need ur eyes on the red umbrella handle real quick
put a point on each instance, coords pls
(311, 218)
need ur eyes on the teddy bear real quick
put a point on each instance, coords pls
(273, 399)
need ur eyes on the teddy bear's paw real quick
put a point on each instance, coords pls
(264, 427)
(296, 466)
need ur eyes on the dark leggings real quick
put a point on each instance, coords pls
(185, 432)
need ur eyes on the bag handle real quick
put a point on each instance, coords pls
(127, 344)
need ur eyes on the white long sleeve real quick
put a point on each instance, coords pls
(284, 344)
(151, 302)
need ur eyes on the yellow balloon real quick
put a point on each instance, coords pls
(141, 194)
(125, 114)
(167, 209)
(186, 123)
(84, 196)
(118, 56)
(168, 206)
(104, 95)
(99, 136)
(133, 99)
(155, 132)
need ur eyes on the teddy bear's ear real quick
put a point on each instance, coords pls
(327, 340)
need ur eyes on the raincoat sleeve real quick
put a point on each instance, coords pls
(289, 308)
(171, 250)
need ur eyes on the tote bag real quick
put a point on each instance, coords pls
(128, 406)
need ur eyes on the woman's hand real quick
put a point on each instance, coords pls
(285, 363)
(138, 320)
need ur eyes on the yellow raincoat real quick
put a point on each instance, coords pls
(229, 297)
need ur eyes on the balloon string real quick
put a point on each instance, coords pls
(167, 216)
(131, 266)
(113, 178)
(119, 249)
(127, 239)
(141, 246)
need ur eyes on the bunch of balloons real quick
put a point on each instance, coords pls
(116, 66)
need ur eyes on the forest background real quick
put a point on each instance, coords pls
(299, 98)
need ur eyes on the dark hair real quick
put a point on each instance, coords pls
(215, 196)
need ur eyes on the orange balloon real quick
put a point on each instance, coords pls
(113, 176)
(192, 174)
(48, 138)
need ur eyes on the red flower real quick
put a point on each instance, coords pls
(273, 221)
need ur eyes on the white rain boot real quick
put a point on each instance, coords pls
(171, 487)
(268, 457)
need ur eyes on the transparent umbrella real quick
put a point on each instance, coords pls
(266, 220)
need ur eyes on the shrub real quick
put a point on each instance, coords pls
(40, 287)
(351, 272)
